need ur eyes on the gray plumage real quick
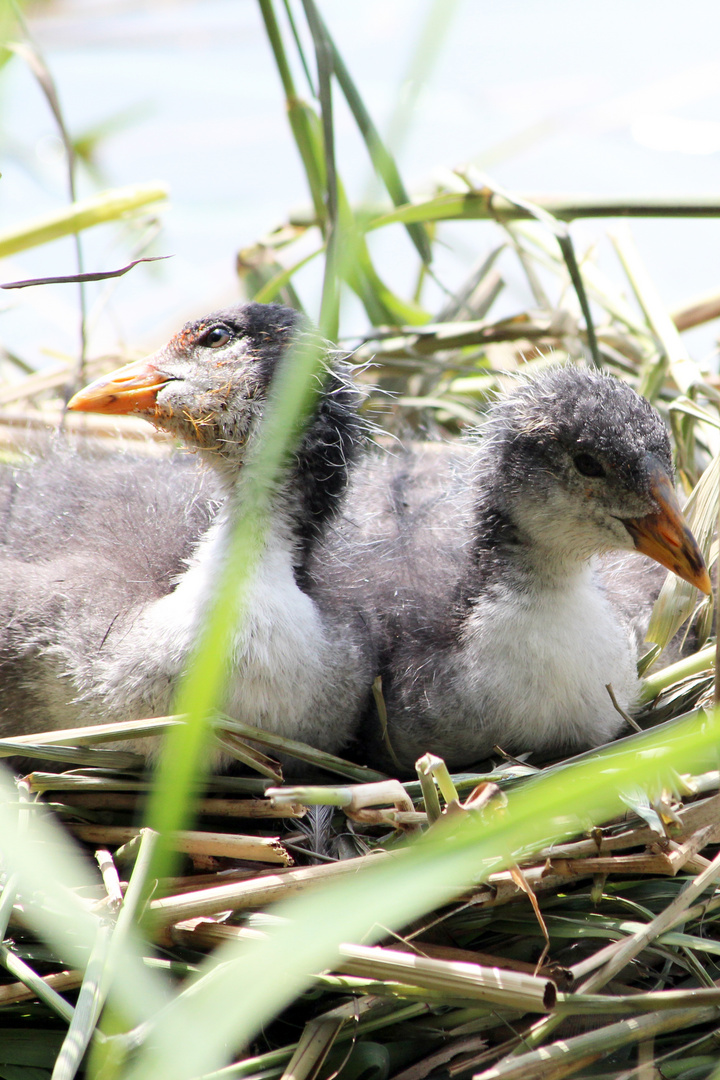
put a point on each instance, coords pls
(471, 577)
(86, 543)
(106, 567)
(479, 574)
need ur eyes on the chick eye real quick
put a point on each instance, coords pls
(216, 337)
(587, 465)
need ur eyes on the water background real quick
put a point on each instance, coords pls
(618, 97)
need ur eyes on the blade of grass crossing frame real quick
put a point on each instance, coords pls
(185, 753)
(36, 62)
(290, 401)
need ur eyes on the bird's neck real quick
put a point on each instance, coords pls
(522, 544)
(270, 514)
(296, 507)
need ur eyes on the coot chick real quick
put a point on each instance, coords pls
(478, 572)
(97, 629)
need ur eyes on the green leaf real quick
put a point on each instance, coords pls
(107, 206)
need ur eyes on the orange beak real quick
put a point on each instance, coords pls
(130, 389)
(664, 535)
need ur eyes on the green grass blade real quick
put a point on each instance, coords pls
(272, 288)
(107, 206)
(380, 156)
(300, 116)
(185, 753)
(486, 205)
(324, 59)
(300, 47)
(567, 250)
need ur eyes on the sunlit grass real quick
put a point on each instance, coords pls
(108, 206)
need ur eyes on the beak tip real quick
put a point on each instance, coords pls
(664, 535)
(76, 403)
(130, 389)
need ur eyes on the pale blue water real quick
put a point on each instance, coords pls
(615, 97)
